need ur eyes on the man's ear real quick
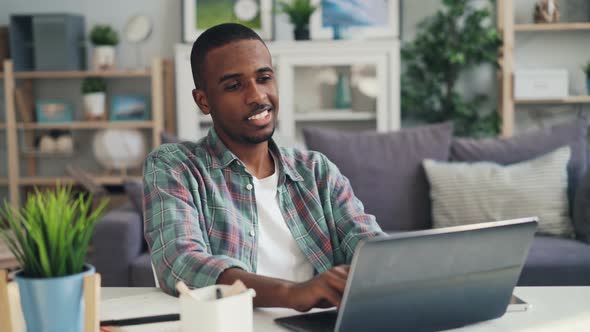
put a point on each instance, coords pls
(201, 100)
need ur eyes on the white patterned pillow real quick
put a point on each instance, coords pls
(468, 193)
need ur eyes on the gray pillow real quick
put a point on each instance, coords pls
(169, 138)
(385, 169)
(467, 193)
(531, 145)
(582, 209)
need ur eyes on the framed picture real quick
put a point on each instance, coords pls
(53, 111)
(356, 19)
(199, 15)
(129, 108)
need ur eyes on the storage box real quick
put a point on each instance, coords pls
(51, 42)
(540, 84)
(205, 312)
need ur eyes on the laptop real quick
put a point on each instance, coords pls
(428, 280)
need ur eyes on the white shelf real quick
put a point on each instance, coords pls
(335, 115)
(567, 100)
(298, 89)
(552, 27)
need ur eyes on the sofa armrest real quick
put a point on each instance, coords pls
(117, 241)
(582, 209)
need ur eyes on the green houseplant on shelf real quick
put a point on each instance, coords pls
(94, 95)
(458, 38)
(49, 236)
(104, 38)
(299, 13)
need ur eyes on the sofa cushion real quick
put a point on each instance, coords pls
(556, 262)
(141, 273)
(582, 210)
(385, 169)
(134, 191)
(467, 193)
(167, 137)
(531, 145)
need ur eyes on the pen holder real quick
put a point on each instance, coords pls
(205, 312)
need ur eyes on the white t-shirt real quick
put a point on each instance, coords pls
(279, 256)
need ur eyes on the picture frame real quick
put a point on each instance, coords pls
(256, 14)
(129, 108)
(53, 111)
(380, 18)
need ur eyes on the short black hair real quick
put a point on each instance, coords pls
(214, 37)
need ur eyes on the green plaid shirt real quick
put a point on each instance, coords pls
(200, 211)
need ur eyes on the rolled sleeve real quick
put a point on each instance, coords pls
(174, 227)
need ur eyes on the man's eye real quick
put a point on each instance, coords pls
(232, 87)
(265, 78)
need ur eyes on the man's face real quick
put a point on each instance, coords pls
(240, 92)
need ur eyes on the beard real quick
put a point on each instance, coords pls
(259, 138)
(250, 139)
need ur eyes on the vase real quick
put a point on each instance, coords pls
(103, 58)
(588, 84)
(94, 106)
(53, 304)
(342, 97)
(301, 33)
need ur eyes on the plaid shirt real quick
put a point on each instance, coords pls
(201, 217)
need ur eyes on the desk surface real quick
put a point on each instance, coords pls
(553, 309)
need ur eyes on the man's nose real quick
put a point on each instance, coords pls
(254, 94)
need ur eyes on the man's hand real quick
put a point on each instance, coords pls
(323, 291)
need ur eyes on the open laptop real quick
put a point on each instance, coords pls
(428, 280)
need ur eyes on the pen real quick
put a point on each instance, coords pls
(140, 320)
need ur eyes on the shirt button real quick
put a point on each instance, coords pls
(252, 233)
(249, 186)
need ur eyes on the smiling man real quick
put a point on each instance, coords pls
(235, 205)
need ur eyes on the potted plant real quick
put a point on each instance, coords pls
(587, 71)
(456, 39)
(104, 38)
(49, 236)
(299, 12)
(94, 95)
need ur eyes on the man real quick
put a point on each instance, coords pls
(234, 205)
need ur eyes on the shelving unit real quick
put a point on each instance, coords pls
(12, 127)
(306, 72)
(50, 180)
(508, 29)
(88, 125)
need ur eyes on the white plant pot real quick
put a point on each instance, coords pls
(103, 57)
(94, 105)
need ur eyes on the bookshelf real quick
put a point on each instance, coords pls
(12, 127)
(507, 27)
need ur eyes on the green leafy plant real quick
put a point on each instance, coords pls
(50, 234)
(457, 38)
(104, 35)
(299, 11)
(94, 84)
(587, 70)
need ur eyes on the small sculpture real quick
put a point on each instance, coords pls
(546, 11)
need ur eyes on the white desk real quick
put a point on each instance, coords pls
(554, 309)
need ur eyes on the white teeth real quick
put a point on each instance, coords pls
(259, 116)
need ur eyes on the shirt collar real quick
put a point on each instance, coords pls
(222, 157)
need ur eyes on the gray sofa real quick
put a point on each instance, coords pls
(395, 190)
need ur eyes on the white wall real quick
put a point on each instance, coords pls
(164, 13)
(566, 49)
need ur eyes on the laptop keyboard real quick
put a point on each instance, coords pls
(324, 321)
